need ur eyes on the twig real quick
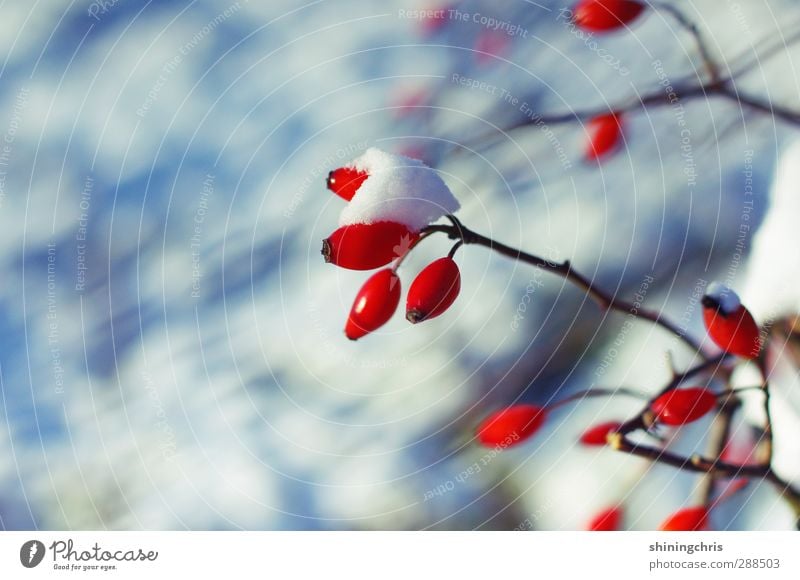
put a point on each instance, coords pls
(766, 440)
(683, 92)
(718, 441)
(699, 464)
(597, 392)
(691, 27)
(458, 231)
(781, 43)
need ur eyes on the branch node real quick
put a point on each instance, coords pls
(615, 440)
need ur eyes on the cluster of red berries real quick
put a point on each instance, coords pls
(732, 329)
(370, 246)
(729, 325)
(674, 408)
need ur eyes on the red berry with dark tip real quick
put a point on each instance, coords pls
(606, 15)
(605, 134)
(681, 406)
(730, 324)
(598, 434)
(374, 304)
(511, 426)
(345, 181)
(433, 291)
(367, 246)
(608, 520)
(686, 520)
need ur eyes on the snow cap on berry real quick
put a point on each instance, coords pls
(723, 297)
(399, 189)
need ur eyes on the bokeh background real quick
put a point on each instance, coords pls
(172, 355)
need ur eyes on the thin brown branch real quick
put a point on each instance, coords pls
(458, 231)
(766, 49)
(702, 47)
(777, 111)
(657, 98)
(699, 464)
(766, 439)
(683, 92)
(717, 442)
(597, 392)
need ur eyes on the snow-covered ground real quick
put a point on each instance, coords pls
(172, 353)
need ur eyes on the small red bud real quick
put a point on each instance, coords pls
(374, 304)
(367, 246)
(735, 332)
(681, 406)
(511, 426)
(692, 519)
(490, 45)
(605, 133)
(345, 181)
(608, 520)
(598, 434)
(606, 15)
(433, 291)
(433, 20)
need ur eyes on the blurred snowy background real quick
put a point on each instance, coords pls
(172, 352)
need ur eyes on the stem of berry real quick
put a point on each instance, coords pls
(717, 441)
(458, 231)
(702, 47)
(767, 436)
(400, 260)
(454, 249)
(579, 396)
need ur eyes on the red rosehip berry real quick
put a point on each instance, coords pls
(729, 324)
(606, 15)
(692, 519)
(433, 291)
(681, 406)
(605, 133)
(511, 426)
(374, 304)
(345, 181)
(367, 246)
(608, 520)
(598, 434)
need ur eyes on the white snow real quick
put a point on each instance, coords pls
(727, 299)
(398, 189)
(772, 288)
